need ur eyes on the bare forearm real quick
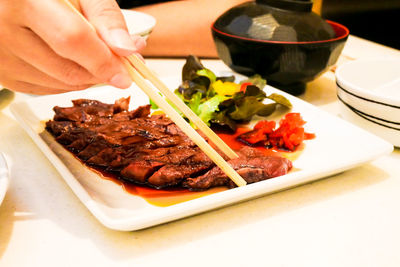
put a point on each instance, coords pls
(184, 27)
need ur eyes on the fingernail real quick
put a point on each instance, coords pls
(122, 40)
(121, 80)
(140, 43)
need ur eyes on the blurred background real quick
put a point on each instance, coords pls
(375, 20)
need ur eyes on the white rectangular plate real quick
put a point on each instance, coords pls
(338, 146)
(3, 177)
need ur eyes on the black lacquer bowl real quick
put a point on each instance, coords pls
(282, 40)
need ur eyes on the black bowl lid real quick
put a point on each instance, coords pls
(275, 20)
(341, 33)
(293, 5)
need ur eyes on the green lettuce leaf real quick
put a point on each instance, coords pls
(280, 99)
(222, 119)
(256, 80)
(189, 70)
(207, 108)
(188, 88)
(194, 102)
(207, 73)
(226, 78)
(249, 106)
(255, 91)
(153, 104)
(198, 93)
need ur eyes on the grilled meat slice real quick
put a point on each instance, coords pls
(148, 149)
(251, 169)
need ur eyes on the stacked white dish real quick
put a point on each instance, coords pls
(369, 93)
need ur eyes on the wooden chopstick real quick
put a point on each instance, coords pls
(133, 62)
(183, 125)
(149, 75)
(152, 77)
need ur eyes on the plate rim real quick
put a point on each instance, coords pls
(4, 177)
(206, 203)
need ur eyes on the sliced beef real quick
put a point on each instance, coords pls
(251, 169)
(104, 157)
(95, 107)
(140, 112)
(171, 175)
(72, 135)
(59, 127)
(149, 150)
(121, 105)
(94, 148)
(80, 142)
(139, 171)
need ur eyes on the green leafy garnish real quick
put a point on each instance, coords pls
(209, 107)
(207, 73)
(247, 107)
(194, 102)
(153, 104)
(219, 100)
(222, 119)
(256, 80)
(280, 100)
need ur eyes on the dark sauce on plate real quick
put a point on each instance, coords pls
(172, 196)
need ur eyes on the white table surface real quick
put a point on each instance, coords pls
(350, 219)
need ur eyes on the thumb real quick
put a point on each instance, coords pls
(107, 18)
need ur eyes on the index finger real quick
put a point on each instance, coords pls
(107, 18)
(73, 38)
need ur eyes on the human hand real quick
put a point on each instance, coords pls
(46, 48)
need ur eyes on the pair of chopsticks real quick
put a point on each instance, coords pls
(140, 74)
